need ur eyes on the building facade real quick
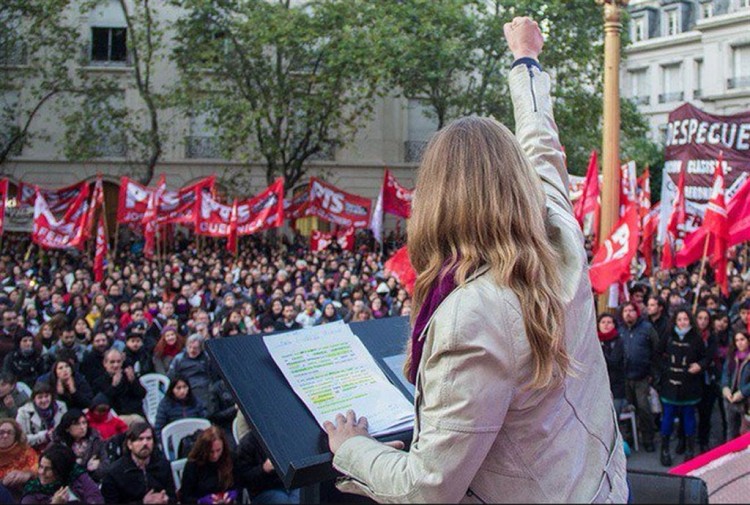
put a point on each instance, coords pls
(393, 138)
(687, 51)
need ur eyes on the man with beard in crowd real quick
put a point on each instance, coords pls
(141, 475)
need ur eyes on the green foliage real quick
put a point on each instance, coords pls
(35, 44)
(281, 82)
(453, 55)
(102, 123)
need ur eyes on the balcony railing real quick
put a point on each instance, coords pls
(742, 81)
(671, 97)
(111, 146)
(413, 150)
(642, 100)
(203, 147)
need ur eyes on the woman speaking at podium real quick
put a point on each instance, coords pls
(512, 397)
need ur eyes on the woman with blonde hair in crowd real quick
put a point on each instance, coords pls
(512, 398)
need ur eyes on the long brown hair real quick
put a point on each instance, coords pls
(477, 202)
(202, 450)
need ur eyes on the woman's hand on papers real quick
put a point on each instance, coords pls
(347, 427)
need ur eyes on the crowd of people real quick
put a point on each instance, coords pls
(72, 420)
(677, 351)
(80, 347)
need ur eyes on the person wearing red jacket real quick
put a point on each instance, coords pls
(101, 418)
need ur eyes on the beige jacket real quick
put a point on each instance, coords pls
(478, 435)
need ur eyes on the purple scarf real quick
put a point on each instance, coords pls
(438, 292)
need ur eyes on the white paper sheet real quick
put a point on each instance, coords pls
(331, 371)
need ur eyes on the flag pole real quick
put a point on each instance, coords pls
(700, 275)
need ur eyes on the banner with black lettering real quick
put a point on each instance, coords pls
(696, 138)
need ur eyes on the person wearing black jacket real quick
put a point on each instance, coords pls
(25, 362)
(682, 386)
(258, 475)
(70, 387)
(92, 366)
(642, 359)
(136, 355)
(711, 391)
(613, 349)
(122, 387)
(656, 308)
(142, 474)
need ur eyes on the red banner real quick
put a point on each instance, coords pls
(332, 204)
(345, 239)
(214, 218)
(132, 202)
(56, 200)
(263, 211)
(150, 217)
(177, 207)
(101, 251)
(611, 263)
(296, 206)
(589, 200)
(396, 198)
(696, 138)
(3, 199)
(50, 233)
(319, 241)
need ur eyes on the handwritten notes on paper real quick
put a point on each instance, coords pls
(331, 371)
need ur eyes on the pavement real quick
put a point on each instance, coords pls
(649, 461)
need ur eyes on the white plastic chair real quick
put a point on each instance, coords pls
(236, 430)
(630, 416)
(178, 466)
(22, 387)
(175, 431)
(156, 386)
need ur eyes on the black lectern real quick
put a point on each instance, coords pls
(288, 432)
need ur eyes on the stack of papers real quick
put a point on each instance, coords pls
(331, 371)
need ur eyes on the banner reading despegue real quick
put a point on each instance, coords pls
(332, 204)
(695, 138)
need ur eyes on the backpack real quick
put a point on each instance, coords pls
(187, 443)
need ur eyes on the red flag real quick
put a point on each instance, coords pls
(177, 207)
(263, 211)
(97, 202)
(589, 200)
(132, 201)
(644, 195)
(677, 217)
(57, 200)
(611, 263)
(232, 239)
(400, 266)
(319, 241)
(150, 217)
(715, 218)
(345, 239)
(628, 186)
(715, 223)
(396, 198)
(52, 233)
(101, 251)
(649, 227)
(3, 199)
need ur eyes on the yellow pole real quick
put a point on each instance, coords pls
(611, 123)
